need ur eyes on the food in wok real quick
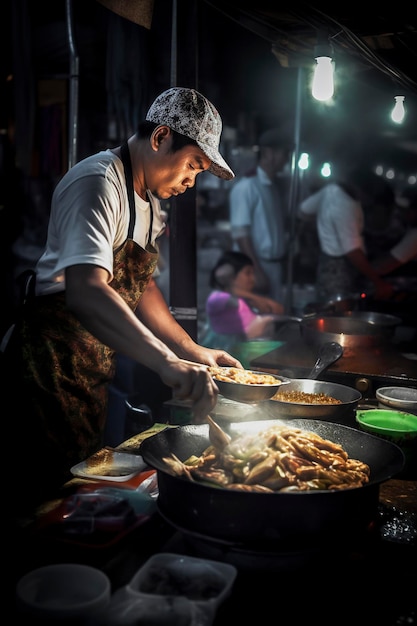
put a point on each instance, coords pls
(276, 459)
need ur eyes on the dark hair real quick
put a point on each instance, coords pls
(146, 128)
(237, 260)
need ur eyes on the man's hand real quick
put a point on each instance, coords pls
(190, 379)
(210, 356)
(191, 382)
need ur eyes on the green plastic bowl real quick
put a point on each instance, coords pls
(396, 426)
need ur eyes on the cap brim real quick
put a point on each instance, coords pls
(218, 165)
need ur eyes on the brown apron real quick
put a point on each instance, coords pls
(66, 370)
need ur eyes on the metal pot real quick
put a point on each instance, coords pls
(343, 413)
(348, 331)
(379, 319)
(259, 520)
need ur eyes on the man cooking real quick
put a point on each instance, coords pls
(95, 295)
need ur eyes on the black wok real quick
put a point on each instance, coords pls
(259, 520)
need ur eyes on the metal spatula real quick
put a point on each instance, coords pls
(218, 438)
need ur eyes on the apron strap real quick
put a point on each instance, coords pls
(127, 165)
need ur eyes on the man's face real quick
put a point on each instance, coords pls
(275, 159)
(172, 173)
(279, 158)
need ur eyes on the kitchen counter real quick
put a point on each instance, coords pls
(365, 369)
(366, 577)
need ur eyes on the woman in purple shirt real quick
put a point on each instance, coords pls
(234, 312)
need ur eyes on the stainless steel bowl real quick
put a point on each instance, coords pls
(250, 394)
(399, 398)
(344, 412)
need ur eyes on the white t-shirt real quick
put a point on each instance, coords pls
(340, 220)
(90, 219)
(406, 249)
(256, 210)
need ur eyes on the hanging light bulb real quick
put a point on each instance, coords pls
(323, 85)
(323, 79)
(398, 112)
(304, 161)
(326, 170)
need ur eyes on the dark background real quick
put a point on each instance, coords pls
(248, 58)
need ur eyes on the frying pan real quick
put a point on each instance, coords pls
(342, 413)
(261, 521)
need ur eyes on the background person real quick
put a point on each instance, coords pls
(95, 293)
(234, 311)
(338, 210)
(402, 256)
(257, 208)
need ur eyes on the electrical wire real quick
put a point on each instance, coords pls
(343, 39)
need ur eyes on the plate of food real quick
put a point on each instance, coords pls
(109, 464)
(247, 386)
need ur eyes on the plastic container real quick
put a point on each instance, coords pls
(200, 580)
(63, 593)
(172, 589)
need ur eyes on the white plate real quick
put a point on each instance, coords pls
(108, 464)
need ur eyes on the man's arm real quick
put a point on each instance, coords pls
(358, 259)
(155, 314)
(104, 313)
(400, 254)
(386, 264)
(153, 311)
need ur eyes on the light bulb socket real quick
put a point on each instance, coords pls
(323, 49)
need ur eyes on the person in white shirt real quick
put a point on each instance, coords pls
(405, 250)
(338, 209)
(95, 295)
(257, 211)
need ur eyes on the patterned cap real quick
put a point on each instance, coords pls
(188, 112)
